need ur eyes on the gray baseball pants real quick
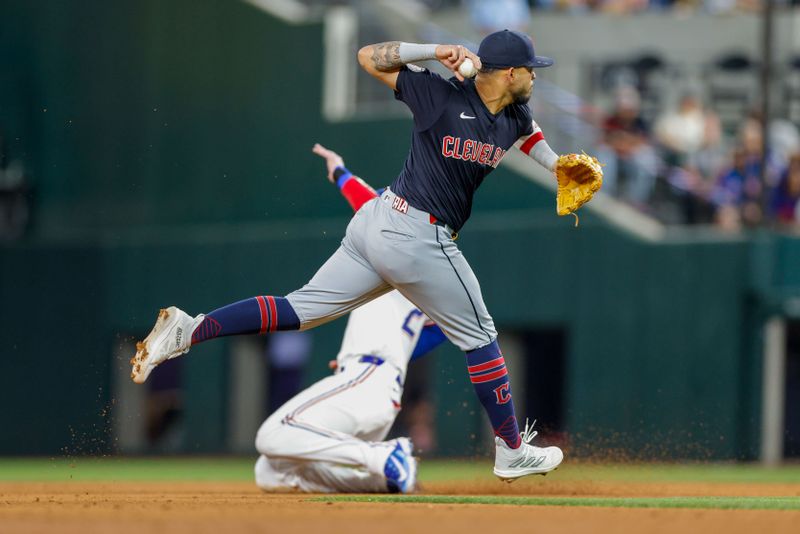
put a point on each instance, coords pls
(391, 245)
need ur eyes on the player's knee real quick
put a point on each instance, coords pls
(269, 442)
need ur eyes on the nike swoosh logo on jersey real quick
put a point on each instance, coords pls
(465, 116)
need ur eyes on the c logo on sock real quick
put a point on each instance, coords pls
(502, 394)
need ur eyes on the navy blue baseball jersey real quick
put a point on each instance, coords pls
(456, 142)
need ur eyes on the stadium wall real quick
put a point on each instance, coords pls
(168, 144)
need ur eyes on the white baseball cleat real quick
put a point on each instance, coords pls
(170, 337)
(511, 464)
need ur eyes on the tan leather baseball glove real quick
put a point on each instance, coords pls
(579, 178)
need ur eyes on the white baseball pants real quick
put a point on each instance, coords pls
(328, 438)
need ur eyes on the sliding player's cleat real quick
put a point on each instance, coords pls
(401, 468)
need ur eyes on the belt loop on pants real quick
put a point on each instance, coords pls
(437, 222)
(369, 358)
(366, 358)
(401, 205)
(377, 360)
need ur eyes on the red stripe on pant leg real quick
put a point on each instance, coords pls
(488, 377)
(485, 365)
(273, 314)
(262, 305)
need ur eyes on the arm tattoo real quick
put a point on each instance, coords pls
(386, 56)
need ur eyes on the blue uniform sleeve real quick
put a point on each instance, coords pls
(424, 92)
(430, 338)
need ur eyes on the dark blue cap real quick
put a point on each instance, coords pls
(508, 48)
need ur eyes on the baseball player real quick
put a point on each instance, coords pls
(329, 438)
(405, 238)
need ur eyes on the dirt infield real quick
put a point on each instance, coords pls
(200, 507)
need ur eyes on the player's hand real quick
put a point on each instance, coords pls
(332, 159)
(452, 56)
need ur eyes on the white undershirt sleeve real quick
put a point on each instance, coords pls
(410, 52)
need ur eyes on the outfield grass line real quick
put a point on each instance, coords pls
(224, 469)
(573, 471)
(230, 469)
(716, 503)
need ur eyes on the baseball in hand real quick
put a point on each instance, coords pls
(467, 68)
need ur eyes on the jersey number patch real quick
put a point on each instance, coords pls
(413, 313)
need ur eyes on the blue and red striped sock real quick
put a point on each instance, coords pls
(257, 315)
(489, 376)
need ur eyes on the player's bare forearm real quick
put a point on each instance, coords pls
(386, 56)
(382, 60)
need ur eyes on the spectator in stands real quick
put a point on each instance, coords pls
(569, 6)
(739, 189)
(785, 202)
(728, 218)
(687, 133)
(741, 184)
(689, 138)
(784, 138)
(719, 7)
(750, 139)
(630, 160)
(622, 7)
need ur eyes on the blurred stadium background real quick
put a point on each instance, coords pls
(156, 153)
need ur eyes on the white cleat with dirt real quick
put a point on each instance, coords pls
(170, 337)
(511, 464)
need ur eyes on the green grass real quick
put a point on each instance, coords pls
(126, 469)
(723, 503)
(241, 469)
(228, 469)
(577, 471)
